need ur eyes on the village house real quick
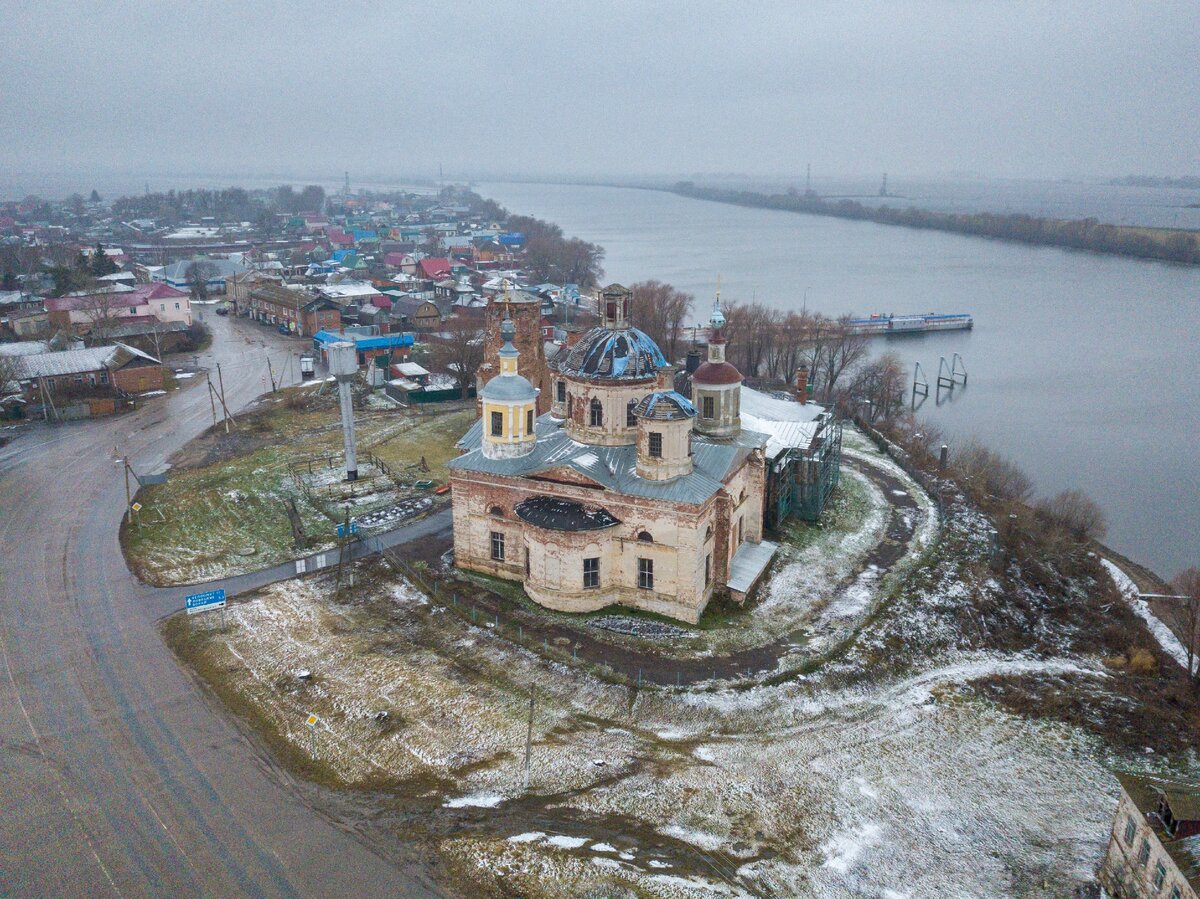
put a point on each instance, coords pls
(95, 310)
(93, 377)
(621, 493)
(301, 312)
(1154, 847)
(239, 286)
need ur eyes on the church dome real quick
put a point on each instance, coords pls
(509, 389)
(716, 374)
(613, 354)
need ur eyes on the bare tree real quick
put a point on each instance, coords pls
(660, 310)
(197, 274)
(877, 389)
(459, 351)
(836, 348)
(102, 310)
(1187, 585)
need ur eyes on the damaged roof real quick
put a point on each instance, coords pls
(563, 514)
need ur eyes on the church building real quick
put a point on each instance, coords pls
(625, 491)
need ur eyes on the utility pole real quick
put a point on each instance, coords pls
(221, 383)
(271, 373)
(529, 738)
(211, 401)
(128, 498)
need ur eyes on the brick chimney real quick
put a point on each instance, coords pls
(802, 384)
(693, 360)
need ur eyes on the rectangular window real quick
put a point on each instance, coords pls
(162, 307)
(741, 534)
(1130, 830)
(561, 387)
(655, 445)
(646, 574)
(708, 407)
(497, 424)
(497, 546)
(707, 569)
(176, 305)
(1175, 894)
(1160, 874)
(630, 418)
(529, 422)
(1144, 852)
(104, 376)
(591, 572)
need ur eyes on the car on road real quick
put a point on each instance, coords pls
(222, 310)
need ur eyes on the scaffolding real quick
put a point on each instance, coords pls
(800, 482)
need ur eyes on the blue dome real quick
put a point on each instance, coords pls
(615, 354)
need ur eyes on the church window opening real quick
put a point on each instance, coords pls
(497, 546)
(591, 573)
(497, 424)
(630, 418)
(646, 574)
(708, 407)
(595, 413)
(529, 421)
(655, 445)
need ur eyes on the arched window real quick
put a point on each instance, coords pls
(742, 497)
(630, 418)
(708, 533)
(497, 511)
(644, 537)
(596, 413)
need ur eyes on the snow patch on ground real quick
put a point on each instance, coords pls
(476, 800)
(1163, 634)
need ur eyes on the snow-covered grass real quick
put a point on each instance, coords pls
(911, 784)
(192, 529)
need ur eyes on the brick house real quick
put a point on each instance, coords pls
(1154, 847)
(620, 494)
(302, 313)
(102, 371)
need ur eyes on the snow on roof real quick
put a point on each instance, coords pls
(70, 362)
(788, 424)
(349, 289)
(24, 348)
(410, 369)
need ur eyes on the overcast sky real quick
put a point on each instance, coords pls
(1022, 89)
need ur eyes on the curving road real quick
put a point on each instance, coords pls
(118, 777)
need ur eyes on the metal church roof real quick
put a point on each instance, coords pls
(614, 467)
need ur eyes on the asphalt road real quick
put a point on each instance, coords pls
(118, 776)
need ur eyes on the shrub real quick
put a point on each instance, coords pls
(1142, 661)
(986, 473)
(1075, 512)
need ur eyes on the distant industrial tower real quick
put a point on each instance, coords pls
(883, 187)
(343, 365)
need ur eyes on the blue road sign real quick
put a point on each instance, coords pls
(205, 602)
(341, 528)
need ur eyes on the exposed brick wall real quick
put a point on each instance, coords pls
(138, 378)
(527, 317)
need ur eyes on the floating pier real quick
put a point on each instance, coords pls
(887, 323)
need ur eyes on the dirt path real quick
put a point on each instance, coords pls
(581, 644)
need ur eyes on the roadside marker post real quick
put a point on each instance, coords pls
(311, 721)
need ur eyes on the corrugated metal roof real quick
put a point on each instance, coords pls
(614, 467)
(788, 424)
(70, 362)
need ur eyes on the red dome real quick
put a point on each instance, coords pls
(716, 373)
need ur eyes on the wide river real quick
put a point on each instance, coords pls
(1082, 368)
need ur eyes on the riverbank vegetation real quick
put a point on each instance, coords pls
(1167, 244)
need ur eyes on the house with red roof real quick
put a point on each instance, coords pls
(435, 268)
(86, 310)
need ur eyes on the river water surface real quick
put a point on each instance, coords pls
(1083, 368)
